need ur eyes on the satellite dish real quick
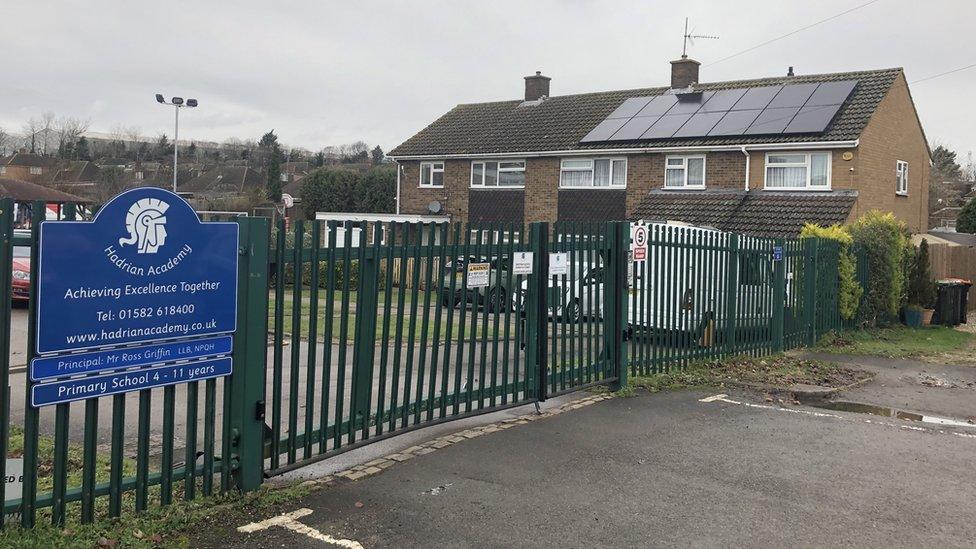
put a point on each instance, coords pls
(434, 207)
(288, 200)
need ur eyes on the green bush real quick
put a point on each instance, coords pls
(966, 222)
(883, 238)
(921, 287)
(850, 290)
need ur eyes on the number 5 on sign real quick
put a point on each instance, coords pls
(638, 241)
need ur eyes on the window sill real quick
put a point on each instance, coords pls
(594, 188)
(430, 186)
(798, 189)
(685, 188)
(497, 188)
(901, 193)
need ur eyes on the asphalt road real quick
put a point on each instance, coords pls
(660, 470)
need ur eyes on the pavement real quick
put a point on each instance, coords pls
(668, 469)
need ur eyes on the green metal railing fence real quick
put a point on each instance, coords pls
(350, 332)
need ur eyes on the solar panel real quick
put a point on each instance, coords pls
(723, 100)
(756, 98)
(658, 106)
(699, 124)
(634, 128)
(812, 119)
(666, 126)
(690, 105)
(772, 121)
(831, 93)
(735, 122)
(765, 110)
(794, 95)
(604, 130)
(630, 107)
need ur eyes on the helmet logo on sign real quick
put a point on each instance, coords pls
(146, 224)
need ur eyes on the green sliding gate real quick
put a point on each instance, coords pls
(350, 332)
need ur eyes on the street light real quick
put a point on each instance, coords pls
(177, 103)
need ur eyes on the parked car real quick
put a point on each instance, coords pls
(579, 297)
(22, 273)
(494, 296)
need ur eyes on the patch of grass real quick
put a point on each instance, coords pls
(168, 526)
(777, 370)
(898, 342)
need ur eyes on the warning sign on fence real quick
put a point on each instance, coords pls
(638, 242)
(478, 275)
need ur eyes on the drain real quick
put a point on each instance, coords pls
(884, 411)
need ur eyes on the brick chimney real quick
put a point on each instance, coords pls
(536, 86)
(684, 72)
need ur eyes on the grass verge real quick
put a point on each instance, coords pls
(777, 370)
(168, 526)
(899, 342)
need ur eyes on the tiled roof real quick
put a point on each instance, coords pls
(228, 179)
(23, 191)
(31, 160)
(558, 123)
(757, 213)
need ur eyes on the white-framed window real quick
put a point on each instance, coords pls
(504, 174)
(283, 177)
(684, 172)
(3, 170)
(139, 175)
(901, 177)
(598, 173)
(431, 174)
(798, 171)
(36, 170)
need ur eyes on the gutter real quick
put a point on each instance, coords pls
(807, 145)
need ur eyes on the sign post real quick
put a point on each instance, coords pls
(638, 242)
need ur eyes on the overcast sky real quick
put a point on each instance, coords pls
(324, 73)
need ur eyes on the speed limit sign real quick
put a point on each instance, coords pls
(638, 242)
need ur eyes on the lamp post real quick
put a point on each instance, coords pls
(177, 103)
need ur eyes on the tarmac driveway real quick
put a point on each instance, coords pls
(657, 470)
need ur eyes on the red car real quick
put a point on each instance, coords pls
(21, 274)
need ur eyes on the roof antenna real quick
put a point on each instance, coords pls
(689, 38)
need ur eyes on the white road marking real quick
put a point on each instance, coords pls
(724, 398)
(290, 522)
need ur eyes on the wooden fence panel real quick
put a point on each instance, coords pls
(956, 262)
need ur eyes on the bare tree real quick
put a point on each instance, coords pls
(67, 131)
(5, 139)
(32, 130)
(46, 132)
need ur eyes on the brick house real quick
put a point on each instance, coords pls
(28, 167)
(758, 156)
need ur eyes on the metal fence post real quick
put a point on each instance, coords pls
(537, 312)
(246, 383)
(618, 292)
(811, 275)
(732, 294)
(779, 297)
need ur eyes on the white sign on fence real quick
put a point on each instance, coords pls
(13, 485)
(522, 263)
(478, 275)
(638, 242)
(558, 264)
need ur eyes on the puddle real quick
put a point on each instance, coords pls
(884, 411)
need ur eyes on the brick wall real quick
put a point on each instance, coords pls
(541, 189)
(893, 134)
(453, 196)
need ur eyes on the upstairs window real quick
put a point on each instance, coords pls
(901, 178)
(593, 173)
(684, 172)
(36, 170)
(431, 174)
(798, 171)
(508, 174)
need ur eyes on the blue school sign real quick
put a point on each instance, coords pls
(143, 284)
(144, 270)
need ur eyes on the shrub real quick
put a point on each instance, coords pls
(882, 237)
(850, 290)
(966, 222)
(921, 287)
